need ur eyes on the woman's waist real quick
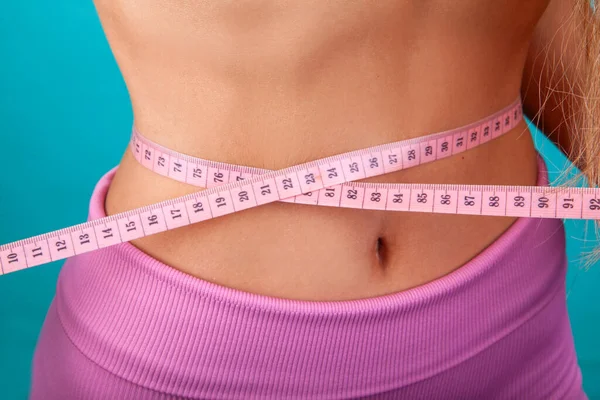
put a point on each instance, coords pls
(115, 301)
(323, 253)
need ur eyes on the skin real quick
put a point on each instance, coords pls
(271, 84)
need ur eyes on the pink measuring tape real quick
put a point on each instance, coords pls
(325, 182)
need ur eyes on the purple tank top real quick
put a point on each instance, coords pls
(125, 326)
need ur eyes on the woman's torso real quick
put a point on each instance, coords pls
(271, 84)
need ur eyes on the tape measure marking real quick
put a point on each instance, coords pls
(292, 182)
(400, 155)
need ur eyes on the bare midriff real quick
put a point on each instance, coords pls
(270, 84)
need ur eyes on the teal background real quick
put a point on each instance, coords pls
(65, 119)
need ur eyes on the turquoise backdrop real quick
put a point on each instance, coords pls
(65, 119)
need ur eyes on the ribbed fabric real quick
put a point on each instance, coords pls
(125, 326)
